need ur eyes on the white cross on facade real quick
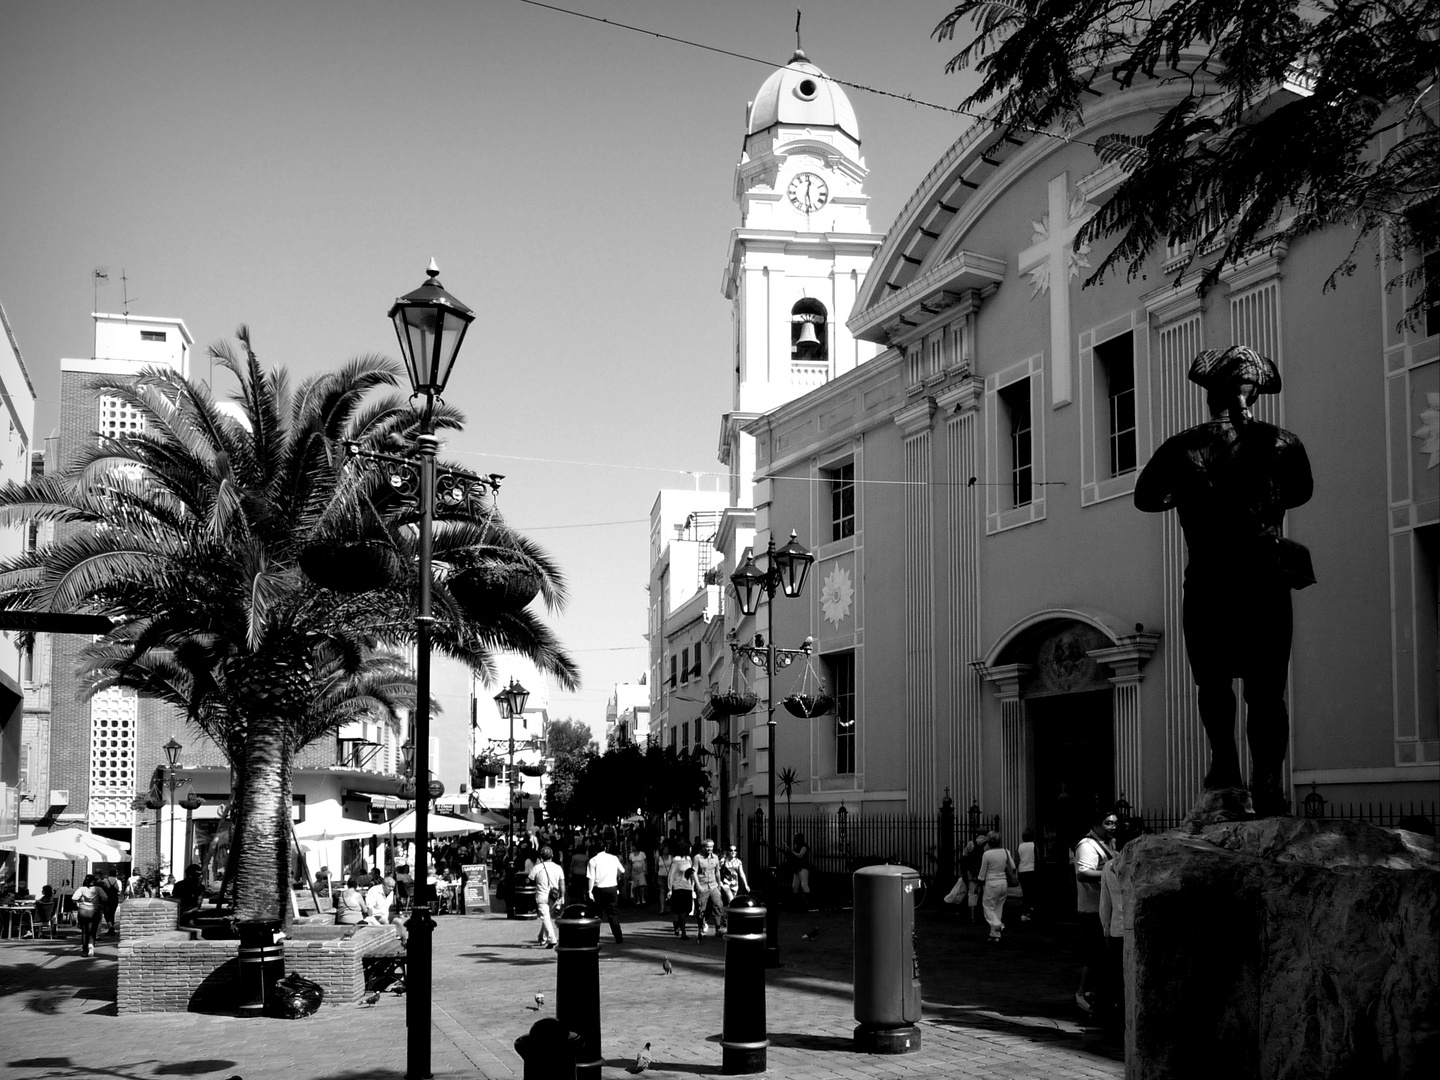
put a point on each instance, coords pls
(1051, 262)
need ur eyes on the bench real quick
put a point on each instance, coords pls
(384, 968)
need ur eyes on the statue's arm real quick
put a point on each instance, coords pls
(1296, 482)
(1155, 488)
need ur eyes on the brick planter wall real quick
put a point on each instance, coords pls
(168, 972)
(146, 916)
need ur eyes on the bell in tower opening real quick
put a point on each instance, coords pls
(808, 335)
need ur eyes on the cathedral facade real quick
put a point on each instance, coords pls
(959, 449)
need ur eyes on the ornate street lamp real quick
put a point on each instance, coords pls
(785, 571)
(512, 701)
(430, 325)
(1314, 802)
(172, 761)
(191, 803)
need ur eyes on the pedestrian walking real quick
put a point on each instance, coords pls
(663, 859)
(549, 882)
(682, 891)
(639, 872)
(732, 879)
(708, 903)
(1091, 854)
(579, 865)
(970, 871)
(88, 911)
(798, 854)
(1029, 880)
(996, 870)
(602, 879)
(1110, 998)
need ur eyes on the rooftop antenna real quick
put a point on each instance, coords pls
(797, 30)
(99, 274)
(125, 296)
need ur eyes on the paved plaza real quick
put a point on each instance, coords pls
(989, 1010)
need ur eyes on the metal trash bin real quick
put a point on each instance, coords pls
(887, 969)
(262, 963)
(520, 904)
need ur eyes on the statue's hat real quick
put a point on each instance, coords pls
(1214, 369)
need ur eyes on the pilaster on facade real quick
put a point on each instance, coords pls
(1127, 660)
(964, 528)
(1005, 680)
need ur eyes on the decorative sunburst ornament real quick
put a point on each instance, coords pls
(1430, 430)
(836, 595)
(1074, 260)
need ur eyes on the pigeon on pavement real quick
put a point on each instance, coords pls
(539, 1000)
(812, 935)
(642, 1061)
(665, 963)
(370, 999)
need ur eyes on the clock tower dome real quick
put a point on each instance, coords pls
(801, 252)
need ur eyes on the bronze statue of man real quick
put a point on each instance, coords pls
(1231, 479)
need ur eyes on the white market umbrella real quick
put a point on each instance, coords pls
(69, 844)
(435, 825)
(312, 834)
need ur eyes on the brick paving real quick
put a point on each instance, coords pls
(989, 1011)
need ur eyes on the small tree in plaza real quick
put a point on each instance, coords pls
(190, 535)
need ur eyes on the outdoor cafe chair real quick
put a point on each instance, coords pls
(44, 919)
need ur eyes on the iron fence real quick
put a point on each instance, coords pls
(841, 843)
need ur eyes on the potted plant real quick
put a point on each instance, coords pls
(350, 565)
(491, 584)
(808, 705)
(733, 702)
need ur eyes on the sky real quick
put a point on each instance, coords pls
(293, 167)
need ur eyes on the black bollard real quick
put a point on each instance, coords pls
(744, 1039)
(577, 985)
(549, 1051)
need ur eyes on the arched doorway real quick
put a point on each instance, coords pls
(1068, 685)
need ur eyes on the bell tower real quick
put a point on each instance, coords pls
(800, 254)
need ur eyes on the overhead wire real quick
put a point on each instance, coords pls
(911, 99)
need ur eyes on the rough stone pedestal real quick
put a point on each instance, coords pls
(1282, 949)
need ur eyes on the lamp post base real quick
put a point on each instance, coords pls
(901, 1040)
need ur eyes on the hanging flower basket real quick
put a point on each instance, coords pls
(808, 705)
(734, 702)
(530, 770)
(492, 586)
(350, 566)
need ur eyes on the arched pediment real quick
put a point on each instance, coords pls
(929, 232)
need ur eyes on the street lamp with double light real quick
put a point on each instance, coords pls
(512, 701)
(785, 571)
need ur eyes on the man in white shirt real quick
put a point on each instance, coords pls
(602, 886)
(378, 899)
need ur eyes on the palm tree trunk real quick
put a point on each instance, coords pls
(262, 874)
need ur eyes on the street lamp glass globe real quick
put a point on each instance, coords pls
(430, 324)
(172, 751)
(749, 582)
(792, 563)
(518, 697)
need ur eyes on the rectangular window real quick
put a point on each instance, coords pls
(1432, 281)
(1016, 400)
(674, 661)
(1116, 369)
(152, 335)
(674, 736)
(842, 500)
(684, 664)
(841, 668)
(685, 737)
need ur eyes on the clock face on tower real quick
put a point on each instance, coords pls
(808, 193)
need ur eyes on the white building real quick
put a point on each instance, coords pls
(17, 736)
(627, 715)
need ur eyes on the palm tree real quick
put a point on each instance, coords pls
(189, 534)
(787, 778)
